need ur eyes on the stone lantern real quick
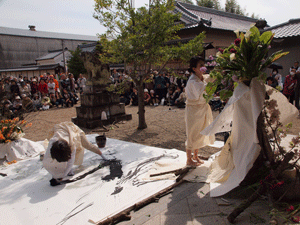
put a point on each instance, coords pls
(96, 101)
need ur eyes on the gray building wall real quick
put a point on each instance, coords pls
(290, 45)
(18, 50)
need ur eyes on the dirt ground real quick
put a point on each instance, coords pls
(166, 127)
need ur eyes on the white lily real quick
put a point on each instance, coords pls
(218, 54)
(247, 35)
(232, 56)
(237, 32)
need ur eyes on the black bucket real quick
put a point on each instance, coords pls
(101, 141)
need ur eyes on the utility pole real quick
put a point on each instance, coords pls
(63, 51)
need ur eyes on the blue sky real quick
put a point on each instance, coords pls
(76, 16)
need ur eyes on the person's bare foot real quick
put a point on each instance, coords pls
(197, 159)
(191, 162)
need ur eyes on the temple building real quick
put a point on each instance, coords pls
(20, 47)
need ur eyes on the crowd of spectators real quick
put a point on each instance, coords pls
(159, 89)
(23, 94)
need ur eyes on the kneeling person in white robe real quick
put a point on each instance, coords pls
(65, 149)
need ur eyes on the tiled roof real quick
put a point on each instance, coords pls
(192, 15)
(31, 68)
(51, 55)
(44, 34)
(88, 47)
(288, 29)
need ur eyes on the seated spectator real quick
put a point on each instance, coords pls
(34, 87)
(51, 86)
(52, 99)
(270, 81)
(24, 89)
(176, 95)
(7, 108)
(180, 101)
(146, 97)
(59, 99)
(14, 89)
(7, 85)
(134, 97)
(45, 102)
(37, 105)
(169, 97)
(27, 103)
(125, 98)
(74, 97)
(43, 88)
(154, 98)
(67, 98)
(17, 105)
(64, 82)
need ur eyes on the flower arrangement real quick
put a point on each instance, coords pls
(11, 130)
(211, 62)
(245, 59)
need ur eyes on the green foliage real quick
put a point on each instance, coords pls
(187, 1)
(75, 64)
(215, 4)
(233, 7)
(244, 60)
(141, 38)
(119, 88)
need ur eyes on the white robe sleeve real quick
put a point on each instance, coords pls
(70, 163)
(194, 89)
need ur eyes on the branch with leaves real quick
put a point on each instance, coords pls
(243, 60)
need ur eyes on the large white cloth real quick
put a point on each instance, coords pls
(75, 137)
(242, 148)
(198, 114)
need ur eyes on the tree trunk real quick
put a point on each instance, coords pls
(141, 112)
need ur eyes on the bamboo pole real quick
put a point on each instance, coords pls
(176, 172)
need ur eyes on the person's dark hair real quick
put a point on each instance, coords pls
(275, 69)
(193, 63)
(270, 78)
(60, 151)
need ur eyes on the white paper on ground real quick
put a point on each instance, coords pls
(27, 197)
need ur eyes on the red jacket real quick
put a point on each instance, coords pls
(43, 88)
(289, 85)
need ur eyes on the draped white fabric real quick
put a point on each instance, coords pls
(240, 152)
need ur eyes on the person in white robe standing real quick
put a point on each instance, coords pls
(65, 149)
(198, 114)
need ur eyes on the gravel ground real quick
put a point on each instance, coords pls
(166, 128)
